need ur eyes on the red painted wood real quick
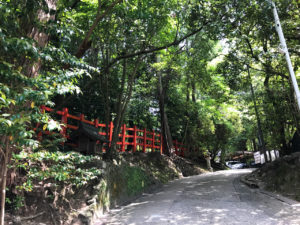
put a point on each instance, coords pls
(123, 137)
(43, 109)
(134, 139)
(81, 117)
(96, 123)
(153, 141)
(39, 136)
(129, 136)
(64, 120)
(145, 140)
(47, 108)
(111, 128)
(72, 127)
(87, 121)
(73, 117)
(161, 144)
(128, 143)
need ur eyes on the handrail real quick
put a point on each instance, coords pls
(150, 141)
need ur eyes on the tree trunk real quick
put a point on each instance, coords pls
(122, 104)
(117, 121)
(254, 145)
(107, 106)
(260, 133)
(186, 130)
(165, 129)
(278, 120)
(30, 70)
(222, 157)
(194, 92)
(167, 135)
(40, 37)
(5, 161)
(86, 43)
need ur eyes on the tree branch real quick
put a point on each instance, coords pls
(74, 4)
(146, 51)
(271, 71)
(263, 63)
(85, 44)
(155, 49)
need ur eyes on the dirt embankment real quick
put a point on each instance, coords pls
(281, 176)
(120, 181)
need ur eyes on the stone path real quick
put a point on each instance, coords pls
(213, 198)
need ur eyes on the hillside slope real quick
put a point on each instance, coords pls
(102, 185)
(281, 176)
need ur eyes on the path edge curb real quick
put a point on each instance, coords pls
(277, 196)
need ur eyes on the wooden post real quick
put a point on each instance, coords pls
(43, 108)
(161, 144)
(96, 123)
(64, 120)
(153, 141)
(40, 136)
(111, 128)
(145, 140)
(81, 117)
(123, 137)
(134, 139)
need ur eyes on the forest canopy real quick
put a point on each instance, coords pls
(208, 73)
(132, 61)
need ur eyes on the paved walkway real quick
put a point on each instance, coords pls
(213, 198)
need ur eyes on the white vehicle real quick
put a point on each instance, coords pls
(235, 164)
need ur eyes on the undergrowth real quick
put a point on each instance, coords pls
(61, 168)
(136, 180)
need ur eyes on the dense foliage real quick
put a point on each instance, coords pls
(176, 66)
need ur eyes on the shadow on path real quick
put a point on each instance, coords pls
(213, 198)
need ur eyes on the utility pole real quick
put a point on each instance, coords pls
(286, 52)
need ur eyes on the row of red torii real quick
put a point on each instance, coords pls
(138, 140)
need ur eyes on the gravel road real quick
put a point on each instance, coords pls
(212, 198)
